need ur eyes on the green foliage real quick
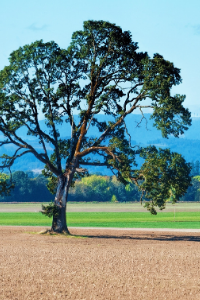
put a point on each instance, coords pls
(51, 180)
(6, 185)
(195, 168)
(114, 199)
(25, 189)
(102, 188)
(89, 189)
(92, 188)
(182, 146)
(193, 192)
(50, 210)
(163, 175)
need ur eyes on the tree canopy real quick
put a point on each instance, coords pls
(101, 72)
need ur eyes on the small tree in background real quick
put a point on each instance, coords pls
(114, 199)
(102, 71)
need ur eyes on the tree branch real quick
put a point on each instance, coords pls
(94, 164)
(12, 160)
(92, 149)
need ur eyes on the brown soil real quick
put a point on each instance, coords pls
(109, 264)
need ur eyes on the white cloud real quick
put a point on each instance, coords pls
(35, 27)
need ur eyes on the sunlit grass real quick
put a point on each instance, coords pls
(108, 219)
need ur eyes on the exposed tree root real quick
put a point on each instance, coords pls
(66, 234)
(52, 232)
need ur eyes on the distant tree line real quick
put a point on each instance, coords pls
(103, 189)
(31, 187)
(28, 187)
(195, 168)
(193, 192)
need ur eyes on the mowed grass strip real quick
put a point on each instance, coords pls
(112, 219)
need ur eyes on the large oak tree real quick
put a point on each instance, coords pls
(102, 71)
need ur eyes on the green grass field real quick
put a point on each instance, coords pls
(108, 219)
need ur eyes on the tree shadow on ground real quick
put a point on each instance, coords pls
(146, 237)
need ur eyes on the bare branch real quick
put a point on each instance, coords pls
(92, 149)
(94, 164)
(128, 94)
(143, 117)
(12, 160)
(142, 195)
(40, 132)
(128, 135)
(5, 143)
(120, 120)
(81, 170)
(89, 123)
(22, 144)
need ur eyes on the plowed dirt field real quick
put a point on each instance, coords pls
(108, 264)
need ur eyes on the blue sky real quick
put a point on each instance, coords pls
(168, 27)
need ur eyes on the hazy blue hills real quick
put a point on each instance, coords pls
(190, 149)
(142, 133)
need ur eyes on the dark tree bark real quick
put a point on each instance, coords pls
(59, 223)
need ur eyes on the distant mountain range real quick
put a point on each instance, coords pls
(143, 134)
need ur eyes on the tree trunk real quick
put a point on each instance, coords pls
(59, 223)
